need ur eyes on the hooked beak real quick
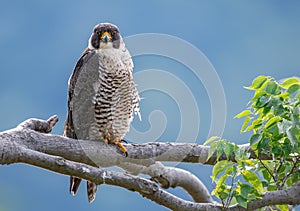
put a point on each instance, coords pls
(106, 37)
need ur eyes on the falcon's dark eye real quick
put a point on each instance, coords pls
(98, 32)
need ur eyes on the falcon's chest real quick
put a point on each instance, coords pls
(114, 74)
(114, 61)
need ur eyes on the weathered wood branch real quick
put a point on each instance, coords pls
(172, 177)
(29, 134)
(289, 196)
(26, 144)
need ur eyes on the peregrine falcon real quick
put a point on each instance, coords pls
(102, 95)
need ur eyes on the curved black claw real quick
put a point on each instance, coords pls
(122, 140)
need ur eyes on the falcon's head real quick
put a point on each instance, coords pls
(105, 35)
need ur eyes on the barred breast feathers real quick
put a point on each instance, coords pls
(116, 94)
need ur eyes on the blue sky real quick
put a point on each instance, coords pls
(40, 42)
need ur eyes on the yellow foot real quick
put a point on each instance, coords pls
(105, 140)
(120, 145)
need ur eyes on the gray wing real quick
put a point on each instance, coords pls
(78, 87)
(82, 85)
(69, 129)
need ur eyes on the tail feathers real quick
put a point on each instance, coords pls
(91, 191)
(74, 185)
(91, 188)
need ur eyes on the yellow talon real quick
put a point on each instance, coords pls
(105, 140)
(120, 145)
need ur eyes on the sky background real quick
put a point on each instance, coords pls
(40, 42)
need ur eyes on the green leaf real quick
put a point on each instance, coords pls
(245, 190)
(253, 179)
(284, 95)
(294, 135)
(220, 185)
(256, 123)
(212, 149)
(296, 110)
(293, 179)
(272, 187)
(243, 113)
(249, 163)
(241, 154)
(272, 88)
(263, 143)
(241, 201)
(255, 139)
(258, 94)
(295, 120)
(211, 139)
(220, 149)
(294, 88)
(266, 175)
(289, 82)
(284, 126)
(275, 102)
(228, 149)
(283, 207)
(219, 167)
(272, 122)
(266, 110)
(247, 120)
(288, 149)
(222, 194)
(248, 192)
(251, 127)
(258, 82)
(279, 110)
(277, 151)
(262, 101)
(285, 169)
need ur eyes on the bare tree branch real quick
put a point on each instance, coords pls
(146, 188)
(29, 134)
(289, 196)
(75, 157)
(172, 177)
